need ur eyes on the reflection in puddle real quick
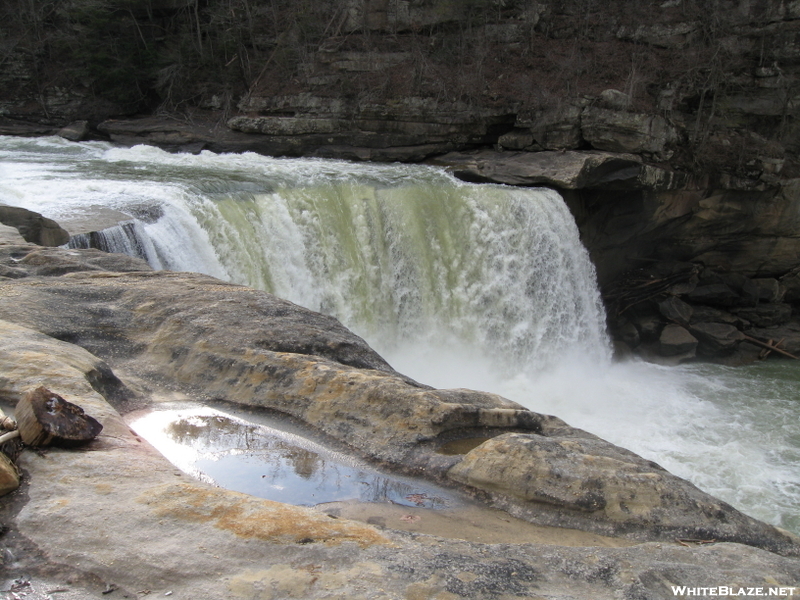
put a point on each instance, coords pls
(270, 463)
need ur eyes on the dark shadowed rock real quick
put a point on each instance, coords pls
(76, 131)
(709, 314)
(791, 284)
(717, 294)
(716, 337)
(619, 131)
(558, 128)
(629, 334)
(677, 341)
(766, 315)
(675, 310)
(648, 324)
(769, 289)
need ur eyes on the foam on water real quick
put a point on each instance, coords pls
(457, 285)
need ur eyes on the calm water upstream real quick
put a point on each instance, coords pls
(457, 285)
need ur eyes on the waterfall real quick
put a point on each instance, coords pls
(456, 285)
(127, 237)
(422, 260)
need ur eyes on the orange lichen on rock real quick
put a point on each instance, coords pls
(250, 517)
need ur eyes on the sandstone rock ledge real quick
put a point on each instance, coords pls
(116, 515)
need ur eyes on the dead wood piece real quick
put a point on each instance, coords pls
(9, 436)
(45, 418)
(766, 352)
(688, 541)
(769, 347)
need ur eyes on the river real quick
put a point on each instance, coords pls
(455, 284)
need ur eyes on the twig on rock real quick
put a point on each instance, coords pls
(689, 541)
(9, 436)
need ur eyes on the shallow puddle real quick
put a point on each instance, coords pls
(258, 459)
(270, 458)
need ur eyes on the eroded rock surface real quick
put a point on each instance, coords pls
(118, 516)
(222, 341)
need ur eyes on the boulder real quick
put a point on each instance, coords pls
(677, 35)
(28, 260)
(591, 478)
(716, 338)
(618, 131)
(648, 324)
(709, 314)
(788, 332)
(748, 290)
(766, 315)
(45, 418)
(33, 227)
(77, 131)
(517, 139)
(675, 310)
(557, 128)
(717, 294)
(629, 334)
(769, 289)
(791, 284)
(677, 341)
(615, 100)
(565, 170)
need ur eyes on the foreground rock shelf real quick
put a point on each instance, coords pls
(103, 330)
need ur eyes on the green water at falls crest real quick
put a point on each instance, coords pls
(488, 266)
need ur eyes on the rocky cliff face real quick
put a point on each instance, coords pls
(693, 103)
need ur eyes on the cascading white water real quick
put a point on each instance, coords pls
(457, 285)
(430, 261)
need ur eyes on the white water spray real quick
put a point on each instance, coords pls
(457, 285)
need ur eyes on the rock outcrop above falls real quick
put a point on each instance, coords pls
(123, 336)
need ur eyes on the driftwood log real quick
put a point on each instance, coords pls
(45, 418)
